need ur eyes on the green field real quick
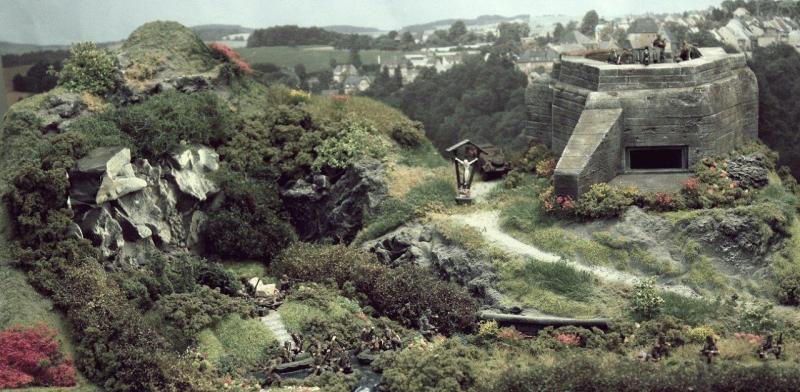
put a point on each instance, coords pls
(315, 58)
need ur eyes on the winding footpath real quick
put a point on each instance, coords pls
(488, 224)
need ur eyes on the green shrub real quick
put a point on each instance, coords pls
(692, 311)
(282, 137)
(669, 327)
(646, 301)
(18, 122)
(251, 224)
(443, 366)
(535, 153)
(90, 69)
(37, 201)
(605, 201)
(402, 294)
(100, 130)
(159, 125)
(408, 135)
(315, 311)
(243, 343)
(757, 318)
(182, 316)
(351, 143)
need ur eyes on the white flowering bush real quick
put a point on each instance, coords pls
(646, 301)
(89, 69)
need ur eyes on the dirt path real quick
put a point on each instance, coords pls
(274, 322)
(488, 223)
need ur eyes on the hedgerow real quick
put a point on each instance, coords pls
(402, 294)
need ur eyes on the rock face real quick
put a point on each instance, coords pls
(593, 114)
(749, 171)
(59, 109)
(333, 208)
(421, 245)
(735, 235)
(126, 208)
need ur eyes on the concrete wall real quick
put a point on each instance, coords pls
(709, 105)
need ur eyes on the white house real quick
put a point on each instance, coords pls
(341, 72)
(355, 83)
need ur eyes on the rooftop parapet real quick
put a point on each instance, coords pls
(595, 75)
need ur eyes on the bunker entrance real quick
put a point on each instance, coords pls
(657, 158)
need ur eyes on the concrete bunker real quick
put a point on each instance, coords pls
(605, 120)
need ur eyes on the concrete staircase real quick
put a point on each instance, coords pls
(592, 154)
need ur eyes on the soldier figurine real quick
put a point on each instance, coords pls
(765, 348)
(286, 352)
(273, 378)
(393, 340)
(661, 47)
(298, 342)
(285, 284)
(344, 364)
(778, 349)
(613, 57)
(686, 51)
(709, 349)
(626, 57)
(660, 349)
(646, 56)
(425, 327)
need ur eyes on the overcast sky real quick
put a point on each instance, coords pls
(67, 21)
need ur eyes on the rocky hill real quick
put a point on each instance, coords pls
(187, 222)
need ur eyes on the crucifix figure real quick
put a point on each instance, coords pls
(466, 170)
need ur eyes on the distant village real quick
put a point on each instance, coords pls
(743, 32)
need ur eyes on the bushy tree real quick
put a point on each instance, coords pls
(90, 69)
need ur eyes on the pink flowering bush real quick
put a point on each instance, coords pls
(226, 53)
(568, 339)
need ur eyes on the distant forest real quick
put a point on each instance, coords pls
(777, 68)
(291, 35)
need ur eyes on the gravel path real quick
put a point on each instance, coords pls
(488, 223)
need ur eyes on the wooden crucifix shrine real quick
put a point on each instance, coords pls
(465, 155)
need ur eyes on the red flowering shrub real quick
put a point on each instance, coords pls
(32, 356)
(664, 199)
(510, 333)
(691, 184)
(230, 55)
(568, 339)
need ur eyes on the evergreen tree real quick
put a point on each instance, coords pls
(589, 23)
(355, 58)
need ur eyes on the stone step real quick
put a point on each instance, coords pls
(275, 323)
